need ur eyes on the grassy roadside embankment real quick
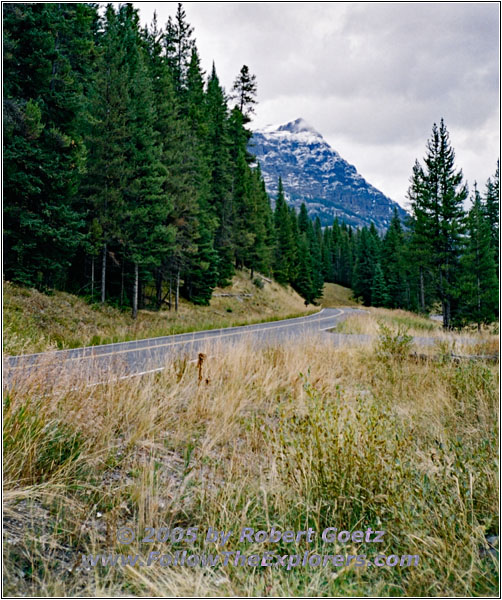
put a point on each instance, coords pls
(285, 437)
(288, 437)
(35, 322)
(469, 341)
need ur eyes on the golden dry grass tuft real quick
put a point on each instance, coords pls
(284, 437)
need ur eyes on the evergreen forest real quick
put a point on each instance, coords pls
(129, 179)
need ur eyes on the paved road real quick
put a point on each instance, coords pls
(125, 359)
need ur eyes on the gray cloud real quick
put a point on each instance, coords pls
(371, 77)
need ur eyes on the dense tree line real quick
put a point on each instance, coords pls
(125, 166)
(444, 257)
(127, 169)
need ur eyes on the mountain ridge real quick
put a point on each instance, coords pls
(315, 173)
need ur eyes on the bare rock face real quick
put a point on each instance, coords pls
(314, 173)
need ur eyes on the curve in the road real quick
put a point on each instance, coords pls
(147, 355)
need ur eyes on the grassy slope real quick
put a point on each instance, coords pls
(362, 439)
(34, 322)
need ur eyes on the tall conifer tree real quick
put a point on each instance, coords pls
(437, 194)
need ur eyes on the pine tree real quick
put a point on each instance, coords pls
(107, 138)
(221, 176)
(314, 236)
(145, 235)
(303, 283)
(47, 55)
(327, 251)
(243, 200)
(179, 43)
(492, 197)
(379, 292)
(244, 92)
(479, 284)
(437, 194)
(284, 238)
(392, 262)
(364, 269)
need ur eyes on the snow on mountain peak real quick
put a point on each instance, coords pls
(314, 173)
(299, 126)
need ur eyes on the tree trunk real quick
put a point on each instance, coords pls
(177, 297)
(122, 284)
(141, 294)
(422, 291)
(135, 292)
(444, 307)
(478, 282)
(103, 275)
(158, 288)
(170, 289)
(92, 280)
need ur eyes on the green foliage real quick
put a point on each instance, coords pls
(51, 445)
(379, 289)
(126, 167)
(479, 273)
(327, 455)
(364, 269)
(244, 90)
(392, 345)
(492, 210)
(437, 193)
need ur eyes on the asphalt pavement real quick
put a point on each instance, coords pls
(127, 359)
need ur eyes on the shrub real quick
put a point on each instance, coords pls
(394, 346)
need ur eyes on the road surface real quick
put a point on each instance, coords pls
(126, 359)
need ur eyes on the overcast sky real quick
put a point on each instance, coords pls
(372, 78)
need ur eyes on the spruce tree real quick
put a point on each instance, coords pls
(178, 42)
(145, 235)
(437, 193)
(479, 285)
(379, 290)
(244, 92)
(107, 138)
(314, 236)
(364, 269)
(303, 282)
(492, 197)
(48, 51)
(284, 238)
(220, 176)
(392, 262)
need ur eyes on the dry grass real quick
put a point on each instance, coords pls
(337, 295)
(469, 340)
(36, 322)
(293, 437)
(369, 323)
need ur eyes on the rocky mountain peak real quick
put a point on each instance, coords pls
(314, 173)
(298, 126)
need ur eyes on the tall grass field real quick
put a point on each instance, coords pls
(291, 438)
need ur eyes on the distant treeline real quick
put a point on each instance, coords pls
(446, 257)
(126, 168)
